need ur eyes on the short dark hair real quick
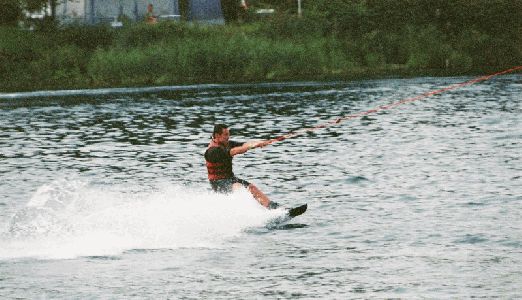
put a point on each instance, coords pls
(218, 129)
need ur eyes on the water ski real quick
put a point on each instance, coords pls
(297, 211)
(290, 213)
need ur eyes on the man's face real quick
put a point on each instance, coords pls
(223, 137)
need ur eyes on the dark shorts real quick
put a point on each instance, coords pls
(225, 185)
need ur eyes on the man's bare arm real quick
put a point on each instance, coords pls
(247, 146)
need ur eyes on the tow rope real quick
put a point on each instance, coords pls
(389, 106)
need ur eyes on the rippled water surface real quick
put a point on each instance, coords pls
(106, 196)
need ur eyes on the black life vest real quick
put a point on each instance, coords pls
(222, 169)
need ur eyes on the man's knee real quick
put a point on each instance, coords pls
(236, 186)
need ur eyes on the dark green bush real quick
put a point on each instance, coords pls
(10, 12)
(84, 37)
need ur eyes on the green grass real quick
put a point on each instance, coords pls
(172, 53)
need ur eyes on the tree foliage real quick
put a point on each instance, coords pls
(10, 12)
(423, 34)
(38, 5)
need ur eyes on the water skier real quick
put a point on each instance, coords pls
(218, 157)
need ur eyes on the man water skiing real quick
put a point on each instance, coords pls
(218, 157)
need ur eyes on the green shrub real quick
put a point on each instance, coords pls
(141, 34)
(426, 48)
(20, 46)
(84, 37)
(290, 26)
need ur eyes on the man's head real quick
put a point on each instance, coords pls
(221, 133)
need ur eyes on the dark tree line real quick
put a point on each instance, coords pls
(435, 33)
(12, 10)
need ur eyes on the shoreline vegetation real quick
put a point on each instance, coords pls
(351, 40)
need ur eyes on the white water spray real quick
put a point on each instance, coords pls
(70, 218)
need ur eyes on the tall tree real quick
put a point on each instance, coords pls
(37, 5)
(10, 12)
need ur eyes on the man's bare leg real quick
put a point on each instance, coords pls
(258, 195)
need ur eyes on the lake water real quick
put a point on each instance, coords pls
(105, 196)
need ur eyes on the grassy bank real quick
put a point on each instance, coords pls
(181, 53)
